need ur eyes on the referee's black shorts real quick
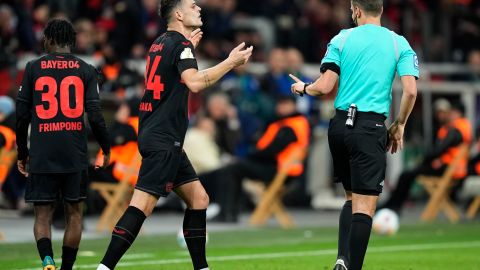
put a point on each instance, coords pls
(359, 154)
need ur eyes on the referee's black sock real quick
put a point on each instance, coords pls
(345, 222)
(195, 232)
(44, 246)
(123, 236)
(359, 236)
(69, 255)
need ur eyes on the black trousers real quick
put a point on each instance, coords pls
(224, 185)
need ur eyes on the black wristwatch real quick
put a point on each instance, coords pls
(305, 88)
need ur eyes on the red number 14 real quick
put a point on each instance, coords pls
(152, 81)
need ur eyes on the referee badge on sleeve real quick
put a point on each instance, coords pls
(415, 61)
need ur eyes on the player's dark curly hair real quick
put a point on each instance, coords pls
(372, 7)
(166, 7)
(60, 32)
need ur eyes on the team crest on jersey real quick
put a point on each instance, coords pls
(415, 61)
(187, 54)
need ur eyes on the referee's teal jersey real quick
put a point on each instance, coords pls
(368, 57)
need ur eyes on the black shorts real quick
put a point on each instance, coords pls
(48, 187)
(359, 154)
(163, 171)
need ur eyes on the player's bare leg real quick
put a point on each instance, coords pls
(194, 222)
(42, 230)
(127, 228)
(363, 209)
(73, 233)
(345, 222)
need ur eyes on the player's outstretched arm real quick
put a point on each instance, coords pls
(395, 140)
(199, 80)
(322, 86)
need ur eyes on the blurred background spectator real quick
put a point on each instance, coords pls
(115, 35)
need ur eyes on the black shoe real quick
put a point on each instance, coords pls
(340, 265)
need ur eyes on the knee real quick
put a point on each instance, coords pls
(200, 201)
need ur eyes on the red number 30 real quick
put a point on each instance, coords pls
(50, 111)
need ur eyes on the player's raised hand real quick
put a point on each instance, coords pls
(106, 161)
(195, 37)
(395, 137)
(298, 86)
(22, 167)
(240, 55)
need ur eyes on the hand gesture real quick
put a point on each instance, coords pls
(240, 57)
(395, 138)
(22, 166)
(195, 37)
(106, 161)
(298, 86)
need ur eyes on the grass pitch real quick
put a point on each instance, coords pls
(425, 246)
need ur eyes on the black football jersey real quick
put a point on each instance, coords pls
(58, 87)
(164, 106)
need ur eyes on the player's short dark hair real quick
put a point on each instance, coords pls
(166, 7)
(60, 32)
(372, 7)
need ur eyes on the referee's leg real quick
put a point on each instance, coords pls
(363, 209)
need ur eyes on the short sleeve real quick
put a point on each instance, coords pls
(408, 61)
(185, 57)
(91, 85)
(334, 49)
(25, 90)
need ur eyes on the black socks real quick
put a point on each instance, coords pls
(195, 231)
(359, 236)
(123, 235)
(44, 247)
(345, 222)
(69, 255)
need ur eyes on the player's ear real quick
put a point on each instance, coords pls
(179, 15)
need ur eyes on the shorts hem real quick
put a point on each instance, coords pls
(151, 192)
(74, 200)
(367, 192)
(40, 200)
(186, 182)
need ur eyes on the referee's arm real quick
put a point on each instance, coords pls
(322, 86)
(409, 85)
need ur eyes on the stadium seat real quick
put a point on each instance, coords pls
(117, 196)
(473, 208)
(270, 198)
(439, 188)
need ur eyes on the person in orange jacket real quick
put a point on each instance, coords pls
(455, 131)
(289, 132)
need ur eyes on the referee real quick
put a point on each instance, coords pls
(363, 60)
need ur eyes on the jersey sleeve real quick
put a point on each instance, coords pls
(407, 61)
(25, 93)
(334, 49)
(91, 85)
(185, 57)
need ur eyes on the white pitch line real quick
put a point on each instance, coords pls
(385, 249)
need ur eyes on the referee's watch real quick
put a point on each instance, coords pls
(305, 88)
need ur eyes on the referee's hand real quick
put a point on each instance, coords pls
(395, 137)
(298, 86)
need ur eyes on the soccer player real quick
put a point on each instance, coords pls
(363, 60)
(56, 90)
(170, 74)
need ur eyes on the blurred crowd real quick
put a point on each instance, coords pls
(231, 116)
